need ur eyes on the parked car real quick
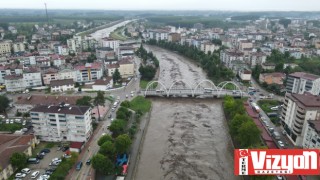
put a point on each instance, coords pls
(11, 121)
(7, 121)
(79, 165)
(88, 162)
(281, 144)
(284, 132)
(35, 174)
(26, 170)
(24, 123)
(110, 116)
(44, 177)
(56, 160)
(54, 163)
(45, 150)
(113, 109)
(64, 149)
(40, 156)
(271, 129)
(20, 175)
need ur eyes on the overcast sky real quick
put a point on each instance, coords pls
(240, 5)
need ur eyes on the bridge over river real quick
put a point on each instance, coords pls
(204, 89)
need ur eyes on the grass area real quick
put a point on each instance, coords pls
(143, 84)
(140, 103)
(10, 127)
(62, 171)
(50, 145)
(265, 105)
(110, 98)
(117, 34)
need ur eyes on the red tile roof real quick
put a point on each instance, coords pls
(77, 145)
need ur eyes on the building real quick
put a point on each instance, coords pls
(9, 144)
(14, 83)
(158, 34)
(62, 85)
(301, 82)
(297, 110)
(268, 66)
(311, 137)
(228, 56)
(26, 103)
(245, 75)
(126, 67)
(272, 78)
(125, 51)
(245, 44)
(5, 48)
(111, 68)
(32, 78)
(103, 84)
(174, 37)
(102, 52)
(62, 123)
(89, 72)
(206, 47)
(110, 43)
(49, 75)
(67, 74)
(18, 47)
(257, 58)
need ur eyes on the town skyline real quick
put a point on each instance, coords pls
(202, 5)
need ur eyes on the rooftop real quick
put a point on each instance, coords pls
(315, 125)
(47, 100)
(304, 75)
(61, 82)
(74, 110)
(103, 81)
(306, 99)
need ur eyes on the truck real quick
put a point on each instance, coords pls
(255, 107)
(276, 135)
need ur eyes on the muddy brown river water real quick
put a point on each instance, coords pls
(186, 139)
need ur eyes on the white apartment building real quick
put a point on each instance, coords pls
(311, 137)
(62, 123)
(14, 83)
(257, 58)
(62, 85)
(298, 109)
(111, 43)
(18, 47)
(67, 74)
(9, 70)
(301, 82)
(228, 56)
(206, 47)
(5, 48)
(32, 78)
(158, 34)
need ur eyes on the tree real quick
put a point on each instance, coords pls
(108, 149)
(122, 143)
(18, 160)
(116, 76)
(248, 134)
(236, 122)
(99, 100)
(102, 164)
(117, 126)
(77, 84)
(84, 101)
(4, 103)
(104, 139)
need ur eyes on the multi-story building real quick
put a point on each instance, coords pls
(301, 82)
(228, 56)
(158, 34)
(102, 52)
(111, 43)
(14, 83)
(32, 77)
(311, 137)
(49, 75)
(18, 47)
(206, 47)
(89, 72)
(272, 78)
(126, 67)
(297, 110)
(62, 123)
(125, 51)
(174, 37)
(5, 48)
(257, 58)
(67, 74)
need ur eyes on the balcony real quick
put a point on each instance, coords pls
(296, 130)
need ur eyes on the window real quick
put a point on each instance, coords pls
(34, 114)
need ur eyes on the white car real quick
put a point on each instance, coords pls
(2, 116)
(35, 174)
(7, 121)
(113, 109)
(24, 123)
(56, 159)
(11, 121)
(26, 170)
(112, 119)
(281, 144)
(44, 177)
(20, 175)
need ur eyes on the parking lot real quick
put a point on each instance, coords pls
(44, 163)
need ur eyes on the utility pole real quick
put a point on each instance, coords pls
(45, 4)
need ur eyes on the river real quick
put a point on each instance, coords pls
(106, 31)
(186, 139)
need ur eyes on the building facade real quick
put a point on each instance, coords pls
(297, 110)
(311, 138)
(62, 123)
(301, 82)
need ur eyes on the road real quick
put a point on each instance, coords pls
(92, 147)
(256, 98)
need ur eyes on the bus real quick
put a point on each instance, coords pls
(255, 107)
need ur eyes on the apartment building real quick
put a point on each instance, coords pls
(311, 137)
(62, 123)
(126, 67)
(301, 82)
(89, 72)
(257, 58)
(14, 83)
(174, 37)
(110, 43)
(5, 48)
(62, 85)
(272, 78)
(298, 109)
(32, 77)
(18, 47)
(228, 56)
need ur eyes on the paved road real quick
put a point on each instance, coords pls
(86, 171)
